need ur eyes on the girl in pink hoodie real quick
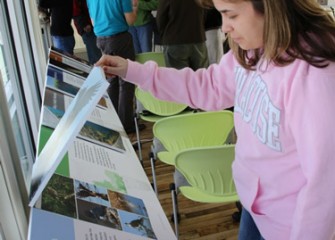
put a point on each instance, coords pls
(280, 78)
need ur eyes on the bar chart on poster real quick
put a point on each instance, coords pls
(87, 181)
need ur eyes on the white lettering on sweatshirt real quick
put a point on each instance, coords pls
(252, 101)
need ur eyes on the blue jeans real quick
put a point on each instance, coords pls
(64, 43)
(142, 37)
(93, 52)
(248, 229)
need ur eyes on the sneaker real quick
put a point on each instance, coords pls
(141, 127)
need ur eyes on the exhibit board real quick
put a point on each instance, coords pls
(99, 189)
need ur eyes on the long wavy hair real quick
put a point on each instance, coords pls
(292, 29)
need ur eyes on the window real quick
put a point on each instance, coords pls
(22, 69)
(21, 84)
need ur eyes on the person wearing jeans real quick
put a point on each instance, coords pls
(83, 24)
(61, 29)
(64, 43)
(248, 228)
(142, 29)
(280, 78)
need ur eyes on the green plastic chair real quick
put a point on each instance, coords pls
(151, 109)
(180, 132)
(202, 129)
(157, 57)
(208, 170)
(155, 109)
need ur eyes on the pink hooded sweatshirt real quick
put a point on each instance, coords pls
(284, 168)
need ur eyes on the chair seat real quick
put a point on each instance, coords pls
(166, 157)
(154, 118)
(199, 196)
(150, 118)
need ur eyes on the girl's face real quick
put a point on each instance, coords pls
(242, 23)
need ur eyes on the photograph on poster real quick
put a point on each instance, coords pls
(62, 62)
(96, 204)
(91, 132)
(67, 84)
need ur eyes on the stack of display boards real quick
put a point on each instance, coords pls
(87, 181)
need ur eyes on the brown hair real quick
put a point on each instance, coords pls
(292, 29)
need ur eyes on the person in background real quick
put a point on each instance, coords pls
(280, 77)
(142, 29)
(83, 24)
(61, 31)
(182, 33)
(214, 41)
(111, 20)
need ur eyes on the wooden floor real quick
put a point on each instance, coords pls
(198, 221)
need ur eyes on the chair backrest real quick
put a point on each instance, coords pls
(208, 168)
(149, 102)
(157, 57)
(156, 106)
(200, 129)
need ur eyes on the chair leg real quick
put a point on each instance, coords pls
(175, 208)
(139, 144)
(155, 148)
(153, 171)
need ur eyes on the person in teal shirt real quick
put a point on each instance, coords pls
(111, 20)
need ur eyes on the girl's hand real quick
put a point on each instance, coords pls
(113, 65)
